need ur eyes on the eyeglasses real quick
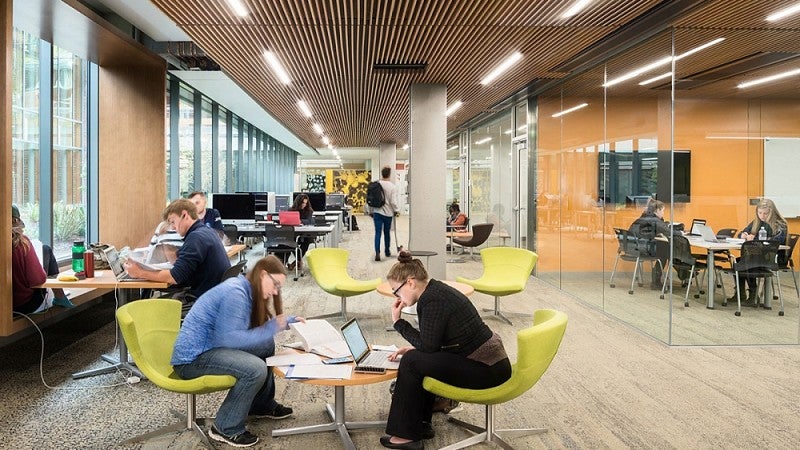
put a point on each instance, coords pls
(277, 284)
(394, 292)
(173, 221)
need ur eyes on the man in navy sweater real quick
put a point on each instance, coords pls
(202, 259)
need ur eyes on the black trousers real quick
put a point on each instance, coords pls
(411, 404)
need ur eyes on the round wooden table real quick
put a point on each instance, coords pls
(338, 422)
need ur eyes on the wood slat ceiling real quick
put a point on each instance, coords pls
(329, 48)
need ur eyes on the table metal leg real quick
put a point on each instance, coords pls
(338, 422)
(712, 284)
(117, 363)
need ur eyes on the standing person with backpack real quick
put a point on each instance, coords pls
(382, 199)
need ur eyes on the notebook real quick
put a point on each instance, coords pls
(362, 355)
(707, 233)
(112, 258)
(289, 218)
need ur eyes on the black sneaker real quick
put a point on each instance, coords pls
(279, 412)
(243, 439)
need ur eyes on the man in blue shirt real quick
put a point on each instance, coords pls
(208, 216)
(202, 259)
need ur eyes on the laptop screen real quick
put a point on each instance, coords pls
(112, 258)
(355, 339)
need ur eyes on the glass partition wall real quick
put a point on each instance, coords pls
(669, 120)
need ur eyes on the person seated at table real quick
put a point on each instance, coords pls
(55, 296)
(452, 344)
(648, 226)
(209, 216)
(456, 220)
(768, 217)
(27, 273)
(230, 331)
(303, 205)
(202, 259)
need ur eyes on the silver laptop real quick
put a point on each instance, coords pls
(362, 355)
(707, 233)
(112, 258)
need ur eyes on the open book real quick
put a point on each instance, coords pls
(318, 336)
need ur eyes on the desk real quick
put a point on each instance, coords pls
(236, 249)
(336, 412)
(106, 279)
(305, 230)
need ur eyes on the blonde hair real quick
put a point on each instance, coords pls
(774, 219)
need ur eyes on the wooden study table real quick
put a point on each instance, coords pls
(236, 249)
(336, 411)
(106, 279)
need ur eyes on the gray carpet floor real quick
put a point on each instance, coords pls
(610, 386)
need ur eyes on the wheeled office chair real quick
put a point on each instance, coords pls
(505, 271)
(536, 348)
(281, 240)
(150, 328)
(329, 268)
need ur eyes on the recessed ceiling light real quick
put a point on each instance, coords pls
(325, 140)
(661, 62)
(655, 78)
(238, 7)
(277, 67)
(318, 128)
(763, 80)
(483, 141)
(505, 65)
(576, 7)
(304, 108)
(405, 146)
(452, 108)
(786, 12)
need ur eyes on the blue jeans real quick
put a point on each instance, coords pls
(385, 223)
(254, 391)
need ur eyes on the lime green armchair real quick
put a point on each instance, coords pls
(328, 266)
(505, 271)
(536, 348)
(150, 328)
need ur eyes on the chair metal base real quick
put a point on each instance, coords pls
(489, 433)
(342, 314)
(188, 422)
(497, 314)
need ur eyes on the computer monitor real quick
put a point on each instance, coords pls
(317, 199)
(334, 201)
(282, 202)
(234, 206)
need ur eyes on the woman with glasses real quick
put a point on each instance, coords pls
(230, 331)
(453, 345)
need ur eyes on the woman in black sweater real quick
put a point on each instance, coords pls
(453, 345)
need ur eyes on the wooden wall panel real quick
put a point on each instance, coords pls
(6, 63)
(132, 155)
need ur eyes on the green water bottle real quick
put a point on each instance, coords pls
(77, 256)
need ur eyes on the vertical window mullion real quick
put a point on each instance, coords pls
(46, 142)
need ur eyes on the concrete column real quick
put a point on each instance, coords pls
(388, 157)
(427, 172)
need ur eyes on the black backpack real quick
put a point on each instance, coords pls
(375, 196)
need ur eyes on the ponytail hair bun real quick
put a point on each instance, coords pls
(404, 257)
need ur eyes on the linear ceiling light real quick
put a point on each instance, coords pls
(569, 110)
(661, 62)
(325, 140)
(238, 7)
(405, 147)
(778, 76)
(277, 67)
(655, 78)
(304, 108)
(784, 13)
(453, 108)
(483, 141)
(576, 7)
(505, 65)
(318, 128)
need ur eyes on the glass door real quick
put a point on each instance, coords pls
(519, 227)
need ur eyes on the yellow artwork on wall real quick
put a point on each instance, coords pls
(352, 183)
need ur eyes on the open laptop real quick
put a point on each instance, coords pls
(707, 233)
(112, 258)
(289, 218)
(694, 231)
(362, 355)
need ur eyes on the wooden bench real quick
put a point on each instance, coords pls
(22, 327)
